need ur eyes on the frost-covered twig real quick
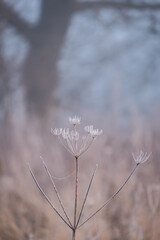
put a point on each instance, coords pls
(89, 186)
(48, 200)
(110, 199)
(56, 191)
(141, 158)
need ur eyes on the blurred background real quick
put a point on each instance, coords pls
(99, 60)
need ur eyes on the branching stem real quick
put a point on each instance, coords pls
(56, 191)
(48, 200)
(89, 186)
(111, 198)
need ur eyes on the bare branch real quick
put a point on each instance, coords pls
(7, 14)
(56, 191)
(89, 186)
(111, 198)
(48, 200)
(117, 5)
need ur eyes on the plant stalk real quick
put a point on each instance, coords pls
(56, 191)
(74, 235)
(90, 183)
(45, 196)
(76, 202)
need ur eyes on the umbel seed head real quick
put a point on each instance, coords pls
(75, 120)
(142, 157)
(72, 140)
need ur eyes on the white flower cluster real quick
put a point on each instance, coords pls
(142, 157)
(72, 140)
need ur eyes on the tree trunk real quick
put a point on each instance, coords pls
(40, 74)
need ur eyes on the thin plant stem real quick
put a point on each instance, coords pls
(48, 200)
(111, 198)
(64, 145)
(56, 191)
(89, 186)
(86, 147)
(73, 234)
(76, 200)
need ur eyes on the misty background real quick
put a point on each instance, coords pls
(97, 59)
(93, 55)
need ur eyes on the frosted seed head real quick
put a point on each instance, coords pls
(142, 157)
(75, 120)
(96, 132)
(72, 139)
(65, 133)
(74, 135)
(56, 131)
(88, 129)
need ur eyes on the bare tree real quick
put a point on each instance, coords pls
(46, 40)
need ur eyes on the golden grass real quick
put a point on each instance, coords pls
(133, 215)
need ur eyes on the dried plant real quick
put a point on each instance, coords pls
(78, 145)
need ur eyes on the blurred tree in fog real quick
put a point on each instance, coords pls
(46, 39)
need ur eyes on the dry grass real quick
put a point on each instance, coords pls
(133, 215)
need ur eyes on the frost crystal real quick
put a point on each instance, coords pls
(72, 140)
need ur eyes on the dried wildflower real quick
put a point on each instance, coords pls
(56, 131)
(93, 132)
(65, 133)
(88, 129)
(77, 145)
(72, 140)
(75, 120)
(142, 157)
(96, 132)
